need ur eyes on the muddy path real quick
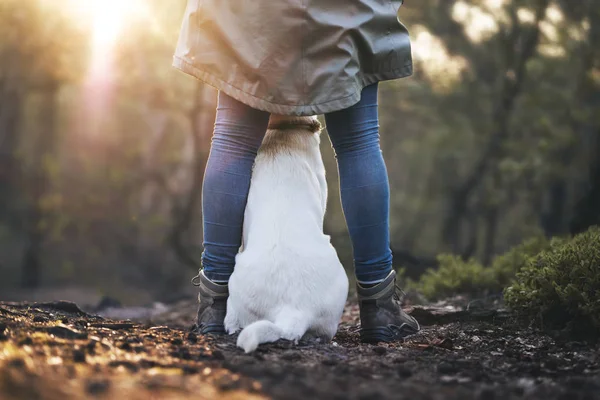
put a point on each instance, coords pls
(57, 351)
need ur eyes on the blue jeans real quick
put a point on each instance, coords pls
(364, 186)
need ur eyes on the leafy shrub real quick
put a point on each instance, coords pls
(454, 275)
(505, 267)
(562, 284)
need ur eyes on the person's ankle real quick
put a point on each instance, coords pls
(215, 278)
(369, 283)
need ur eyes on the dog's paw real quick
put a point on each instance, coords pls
(232, 331)
(231, 326)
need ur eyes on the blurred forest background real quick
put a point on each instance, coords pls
(494, 139)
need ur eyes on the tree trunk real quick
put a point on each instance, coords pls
(512, 83)
(10, 116)
(491, 229)
(38, 187)
(587, 210)
(553, 219)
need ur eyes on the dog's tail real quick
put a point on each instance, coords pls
(291, 326)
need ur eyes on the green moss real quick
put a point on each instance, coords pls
(562, 284)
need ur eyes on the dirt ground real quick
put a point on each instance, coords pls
(57, 351)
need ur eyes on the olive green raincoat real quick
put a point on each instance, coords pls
(293, 57)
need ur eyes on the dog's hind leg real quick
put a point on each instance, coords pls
(232, 321)
(293, 324)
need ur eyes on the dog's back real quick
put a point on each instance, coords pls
(288, 279)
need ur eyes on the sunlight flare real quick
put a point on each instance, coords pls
(107, 20)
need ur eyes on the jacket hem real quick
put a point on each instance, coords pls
(286, 109)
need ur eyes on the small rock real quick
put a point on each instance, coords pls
(176, 341)
(40, 319)
(26, 341)
(379, 350)
(64, 332)
(97, 387)
(91, 347)
(63, 306)
(125, 346)
(79, 356)
(191, 337)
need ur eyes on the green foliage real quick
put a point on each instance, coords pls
(457, 276)
(505, 266)
(562, 284)
(453, 276)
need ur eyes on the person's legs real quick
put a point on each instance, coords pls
(365, 193)
(238, 134)
(364, 186)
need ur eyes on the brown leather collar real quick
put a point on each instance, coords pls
(312, 125)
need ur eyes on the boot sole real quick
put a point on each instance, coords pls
(385, 334)
(213, 330)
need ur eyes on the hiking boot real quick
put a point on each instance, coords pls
(213, 305)
(381, 315)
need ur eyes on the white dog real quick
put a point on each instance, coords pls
(288, 280)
